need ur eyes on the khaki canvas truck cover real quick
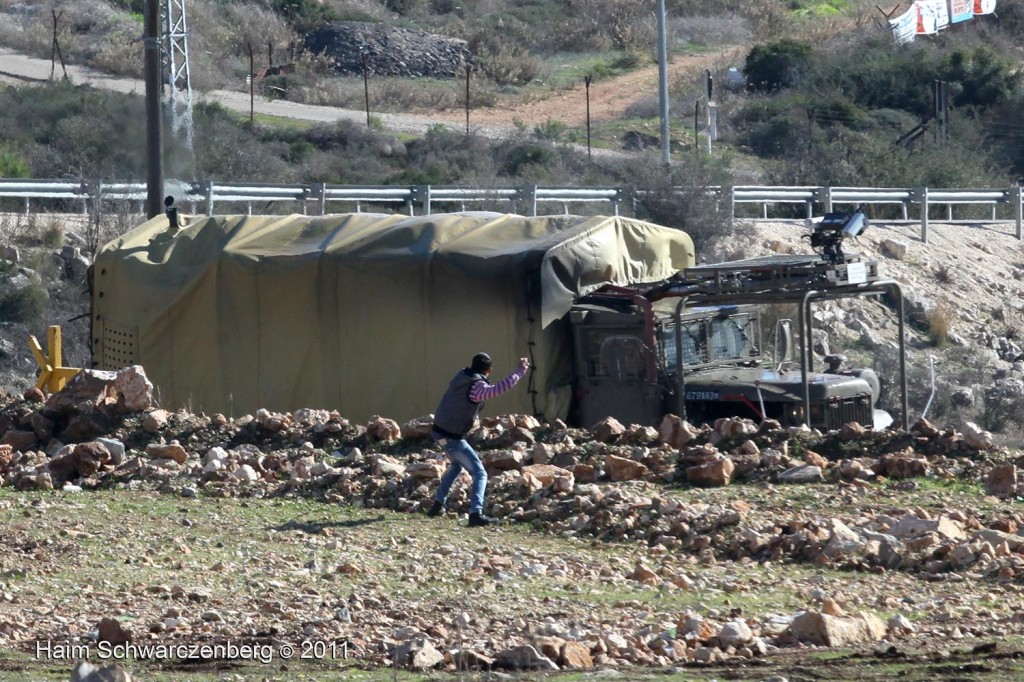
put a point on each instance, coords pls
(363, 313)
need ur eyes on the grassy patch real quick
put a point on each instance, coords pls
(123, 554)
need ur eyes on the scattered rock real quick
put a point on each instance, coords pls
(893, 248)
(608, 430)
(818, 628)
(717, 472)
(523, 657)
(110, 630)
(622, 469)
(805, 473)
(418, 654)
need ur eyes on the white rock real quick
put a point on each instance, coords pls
(245, 473)
(215, 454)
(976, 437)
(893, 248)
(844, 541)
(132, 383)
(900, 624)
(736, 634)
(115, 448)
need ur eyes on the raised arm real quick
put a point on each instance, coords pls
(481, 391)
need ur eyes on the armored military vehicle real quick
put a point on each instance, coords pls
(694, 345)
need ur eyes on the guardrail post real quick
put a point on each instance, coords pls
(421, 195)
(731, 189)
(823, 195)
(321, 196)
(1018, 209)
(209, 197)
(84, 189)
(529, 194)
(27, 207)
(923, 195)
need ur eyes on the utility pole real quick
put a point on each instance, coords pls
(177, 77)
(154, 124)
(663, 82)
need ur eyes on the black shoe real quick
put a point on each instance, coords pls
(436, 509)
(477, 519)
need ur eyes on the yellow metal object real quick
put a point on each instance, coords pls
(52, 376)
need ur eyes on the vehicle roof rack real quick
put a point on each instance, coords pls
(789, 273)
(784, 271)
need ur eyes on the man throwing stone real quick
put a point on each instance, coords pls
(453, 419)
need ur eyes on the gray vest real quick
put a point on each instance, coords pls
(455, 413)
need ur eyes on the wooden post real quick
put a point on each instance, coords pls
(55, 47)
(587, 81)
(696, 119)
(468, 70)
(366, 85)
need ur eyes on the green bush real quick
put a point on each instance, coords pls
(305, 15)
(24, 305)
(679, 197)
(13, 164)
(777, 65)
(134, 6)
(401, 6)
(979, 78)
(503, 56)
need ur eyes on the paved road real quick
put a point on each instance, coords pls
(21, 67)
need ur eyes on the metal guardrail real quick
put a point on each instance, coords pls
(526, 199)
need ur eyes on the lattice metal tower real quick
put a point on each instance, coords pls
(176, 79)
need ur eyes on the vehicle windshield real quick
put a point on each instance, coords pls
(711, 340)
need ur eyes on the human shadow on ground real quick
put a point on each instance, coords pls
(316, 527)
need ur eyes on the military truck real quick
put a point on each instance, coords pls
(370, 314)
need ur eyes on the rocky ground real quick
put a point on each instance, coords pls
(621, 548)
(732, 550)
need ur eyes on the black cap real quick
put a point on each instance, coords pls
(481, 363)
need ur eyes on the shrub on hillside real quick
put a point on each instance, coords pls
(777, 65)
(681, 198)
(305, 15)
(504, 58)
(443, 156)
(600, 25)
(24, 304)
(13, 164)
(869, 72)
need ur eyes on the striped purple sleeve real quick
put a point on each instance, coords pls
(481, 391)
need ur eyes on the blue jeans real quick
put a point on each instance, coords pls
(462, 456)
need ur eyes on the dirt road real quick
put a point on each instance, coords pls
(608, 98)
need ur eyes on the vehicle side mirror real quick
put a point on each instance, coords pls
(783, 336)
